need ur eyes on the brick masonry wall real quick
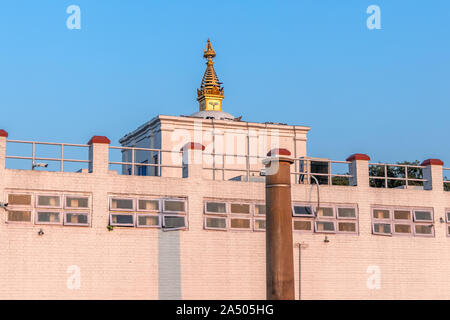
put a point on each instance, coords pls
(133, 263)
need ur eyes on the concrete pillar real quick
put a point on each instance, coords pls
(359, 169)
(3, 136)
(99, 154)
(433, 174)
(193, 160)
(279, 246)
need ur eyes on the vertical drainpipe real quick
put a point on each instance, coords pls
(279, 246)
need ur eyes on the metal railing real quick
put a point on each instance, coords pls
(311, 175)
(33, 158)
(153, 160)
(446, 178)
(220, 166)
(395, 175)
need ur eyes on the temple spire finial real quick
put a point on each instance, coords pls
(210, 94)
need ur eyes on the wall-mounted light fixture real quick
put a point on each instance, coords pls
(326, 240)
(41, 232)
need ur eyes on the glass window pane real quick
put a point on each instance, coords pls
(76, 218)
(382, 228)
(260, 209)
(122, 204)
(302, 225)
(240, 223)
(346, 212)
(402, 228)
(19, 199)
(174, 205)
(325, 212)
(48, 201)
(303, 210)
(22, 216)
(149, 205)
(50, 217)
(448, 216)
(347, 226)
(174, 222)
(218, 223)
(77, 202)
(381, 214)
(423, 215)
(240, 208)
(424, 229)
(126, 219)
(216, 207)
(148, 220)
(260, 224)
(324, 226)
(402, 215)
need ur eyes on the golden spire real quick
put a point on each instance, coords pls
(210, 86)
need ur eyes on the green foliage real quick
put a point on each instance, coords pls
(396, 172)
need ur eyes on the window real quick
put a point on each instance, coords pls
(216, 207)
(174, 222)
(260, 225)
(302, 225)
(239, 223)
(303, 211)
(215, 223)
(122, 204)
(423, 216)
(76, 218)
(77, 202)
(48, 217)
(325, 226)
(19, 199)
(402, 221)
(48, 201)
(148, 212)
(148, 205)
(122, 219)
(239, 216)
(240, 208)
(174, 206)
(19, 216)
(260, 209)
(447, 215)
(148, 220)
(329, 218)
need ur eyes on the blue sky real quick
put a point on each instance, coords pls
(381, 92)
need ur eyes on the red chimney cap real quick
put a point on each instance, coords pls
(432, 162)
(99, 139)
(358, 156)
(279, 152)
(3, 133)
(193, 146)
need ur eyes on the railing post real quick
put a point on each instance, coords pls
(433, 174)
(193, 160)
(359, 169)
(3, 136)
(99, 154)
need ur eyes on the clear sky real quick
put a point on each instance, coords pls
(306, 62)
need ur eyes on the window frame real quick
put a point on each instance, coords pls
(37, 206)
(424, 234)
(65, 223)
(111, 198)
(254, 209)
(60, 212)
(312, 215)
(254, 225)
(148, 199)
(249, 214)
(205, 217)
(20, 194)
(311, 221)
(337, 207)
(164, 216)
(159, 225)
(325, 221)
(406, 223)
(20, 222)
(132, 214)
(235, 216)
(410, 210)
(216, 213)
(382, 221)
(65, 207)
(170, 212)
(424, 221)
